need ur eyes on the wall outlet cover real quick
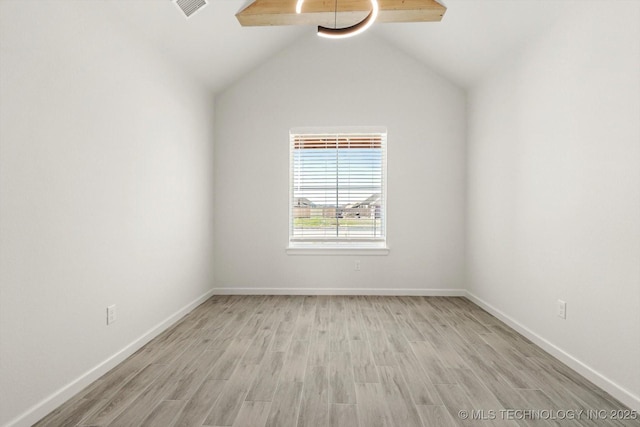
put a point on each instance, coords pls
(111, 314)
(562, 309)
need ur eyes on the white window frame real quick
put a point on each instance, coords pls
(342, 246)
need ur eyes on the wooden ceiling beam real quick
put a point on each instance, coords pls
(322, 12)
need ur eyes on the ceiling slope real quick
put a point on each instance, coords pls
(475, 34)
(211, 45)
(214, 47)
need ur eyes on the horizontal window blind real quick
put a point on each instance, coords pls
(337, 187)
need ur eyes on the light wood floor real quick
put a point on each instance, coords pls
(338, 361)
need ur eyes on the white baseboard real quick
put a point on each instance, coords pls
(41, 409)
(56, 399)
(340, 291)
(615, 390)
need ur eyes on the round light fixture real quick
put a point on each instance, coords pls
(341, 33)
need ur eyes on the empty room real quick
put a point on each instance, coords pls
(371, 213)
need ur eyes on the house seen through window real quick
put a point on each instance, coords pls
(337, 188)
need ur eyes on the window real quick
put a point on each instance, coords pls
(338, 189)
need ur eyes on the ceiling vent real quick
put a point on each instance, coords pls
(189, 7)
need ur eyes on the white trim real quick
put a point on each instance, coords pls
(380, 131)
(341, 291)
(318, 250)
(617, 391)
(45, 406)
(41, 409)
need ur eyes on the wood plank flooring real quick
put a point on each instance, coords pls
(352, 361)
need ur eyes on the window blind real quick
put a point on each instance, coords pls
(337, 190)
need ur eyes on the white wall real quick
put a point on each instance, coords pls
(317, 82)
(106, 197)
(554, 192)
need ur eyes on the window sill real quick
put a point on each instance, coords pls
(310, 249)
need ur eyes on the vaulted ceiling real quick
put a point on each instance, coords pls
(213, 47)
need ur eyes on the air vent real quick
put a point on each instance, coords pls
(189, 7)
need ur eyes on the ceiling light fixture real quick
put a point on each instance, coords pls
(260, 13)
(342, 33)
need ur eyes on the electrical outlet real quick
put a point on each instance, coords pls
(111, 314)
(562, 309)
(357, 266)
